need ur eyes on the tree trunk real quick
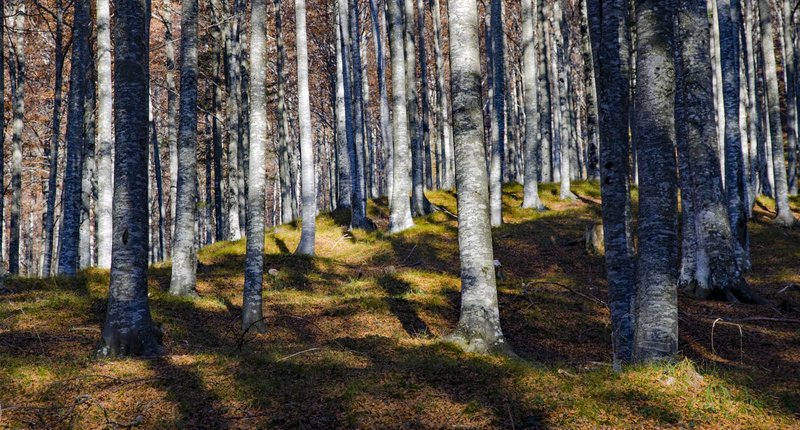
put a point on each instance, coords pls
(498, 125)
(158, 197)
(88, 164)
(172, 119)
(613, 41)
(530, 71)
(478, 329)
(184, 256)
(129, 329)
(545, 116)
(52, 187)
(400, 208)
(781, 191)
(342, 131)
(232, 78)
(443, 98)
(254, 265)
(71, 197)
(790, 75)
(284, 166)
(309, 189)
(656, 310)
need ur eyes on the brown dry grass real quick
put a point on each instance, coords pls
(352, 340)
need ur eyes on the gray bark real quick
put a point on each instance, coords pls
(545, 115)
(128, 328)
(284, 163)
(385, 120)
(613, 42)
(478, 329)
(425, 114)
(309, 188)
(105, 141)
(88, 165)
(781, 191)
(184, 255)
(717, 268)
(254, 264)
(216, 126)
(656, 310)
(172, 117)
(530, 71)
(16, 23)
(342, 131)
(232, 78)
(443, 98)
(71, 197)
(790, 76)
(49, 218)
(400, 208)
(157, 244)
(498, 120)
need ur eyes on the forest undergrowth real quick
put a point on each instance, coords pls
(352, 339)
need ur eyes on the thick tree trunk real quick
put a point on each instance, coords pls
(71, 198)
(309, 188)
(184, 256)
(656, 307)
(530, 71)
(781, 191)
(400, 208)
(613, 41)
(129, 329)
(478, 329)
(717, 269)
(254, 265)
(52, 187)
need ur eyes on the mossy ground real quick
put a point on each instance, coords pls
(352, 339)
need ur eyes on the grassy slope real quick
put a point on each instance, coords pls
(352, 340)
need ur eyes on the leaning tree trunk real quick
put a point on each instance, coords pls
(254, 264)
(656, 302)
(498, 124)
(309, 189)
(71, 200)
(781, 191)
(129, 329)
(613, 42)
(105, 141)
(184, 253)
(49, 217)
(400, 208)
(530, 74)
(717, 269)
(478, 328)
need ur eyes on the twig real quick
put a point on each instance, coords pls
(741, 336)
(299, 353)
(339, 240)
(585, 296)
(409, 255)
(510, 417)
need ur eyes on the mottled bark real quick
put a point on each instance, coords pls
(545, 114)
(498, 120)
(157, 241)
(184, 255)
(785, 217)
(530, 71)
(172, 117)
(49, 217)
(129, 329)
(16, 24)
(86, 248)
(656, 303)
(478, 328)
(386, 116)
(425, 115)
(284, 163)
(613, 42)
(233, 82)
(71, 197)
(400, 205)
(789, 8)
(443, 99)
(105, 138)
(309, 186)
(342, 131)
(254, 264)
(220, 220)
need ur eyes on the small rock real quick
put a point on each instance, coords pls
(273, 272)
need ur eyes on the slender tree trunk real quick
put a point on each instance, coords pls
(52, 187)
(216, 126)
(172, 118)
(309, 189)
(498, 125)
(545, 116)
(129, 329)
(158, 238)
(88, 163)
(656, 310)
(184, 257)
(613, 42)
(754, 113)
(781, 191)
(530, 71)
(386, 120)
(16, 22)
(400, 208)
(232, 77)
(71, 200)
(790, 73)
(342, 130)
(254, 265)
(425, 114)
(284, 164)
(105, 142)
(478, 329)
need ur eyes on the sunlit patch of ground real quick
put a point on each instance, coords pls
(352, 338)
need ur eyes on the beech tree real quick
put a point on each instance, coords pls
(309, 188)
(129, 328)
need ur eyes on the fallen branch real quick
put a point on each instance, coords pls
(572, 290)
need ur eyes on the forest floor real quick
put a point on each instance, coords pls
(352, 339)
